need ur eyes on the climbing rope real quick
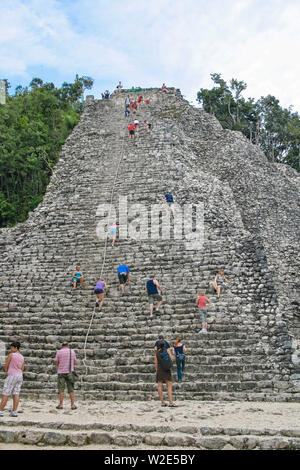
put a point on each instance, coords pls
(104, 253)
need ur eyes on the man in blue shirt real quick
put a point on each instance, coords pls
(124, 277)
(169, 201)
(152, 287)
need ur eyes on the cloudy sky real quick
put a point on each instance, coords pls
(148, 42)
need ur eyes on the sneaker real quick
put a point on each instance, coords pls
(13, 414)
(203, 330)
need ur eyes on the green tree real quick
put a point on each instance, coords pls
(34, 124)
(275, 129)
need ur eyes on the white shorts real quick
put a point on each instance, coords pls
(12, 385)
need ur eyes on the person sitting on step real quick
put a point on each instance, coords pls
(77, 277)
(140, 99)
(202, 301)
(99, 292)
(152, 288)
(124, 277)
(219, 282)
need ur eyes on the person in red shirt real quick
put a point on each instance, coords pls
(140, 99)
(202, 301)
(131, 131)
(147, 102)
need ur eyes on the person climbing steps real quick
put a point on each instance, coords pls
(99, 292)
(169, 201)
(131, 131)
(124, 277)
(152, 288)
(202, 301)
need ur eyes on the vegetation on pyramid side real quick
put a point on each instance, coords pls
(275, 129)
(34, 124)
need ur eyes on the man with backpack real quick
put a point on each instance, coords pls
(163, 361)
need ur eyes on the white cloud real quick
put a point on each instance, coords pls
(147, 43)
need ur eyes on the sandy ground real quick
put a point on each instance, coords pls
(244, 415)
(250, 415)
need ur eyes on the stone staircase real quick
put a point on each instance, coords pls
(130, 436)
(247, 352)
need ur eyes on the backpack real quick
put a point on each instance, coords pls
(169, 197)
(164, 360)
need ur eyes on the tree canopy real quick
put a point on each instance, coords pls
(275, 129)
(34, 124)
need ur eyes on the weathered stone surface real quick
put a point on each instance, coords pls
(212, 443)
(8, 436)
(127, 440)
(172, 440)
(154, 439)
(251, 227)
(78, 439)
(101, 438)
(55, 438)
(30, 437)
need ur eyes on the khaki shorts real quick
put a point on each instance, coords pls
(62, 380)
(153, 297)
(203, 314)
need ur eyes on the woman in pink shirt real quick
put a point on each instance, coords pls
(14, 367)
(202, 300)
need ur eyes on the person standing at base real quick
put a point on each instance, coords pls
(163, 362)
(152, 288)
(202, 301)
(65, 361)
(124, 277)
(14, 367)
(179, 350)
(161, 338)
